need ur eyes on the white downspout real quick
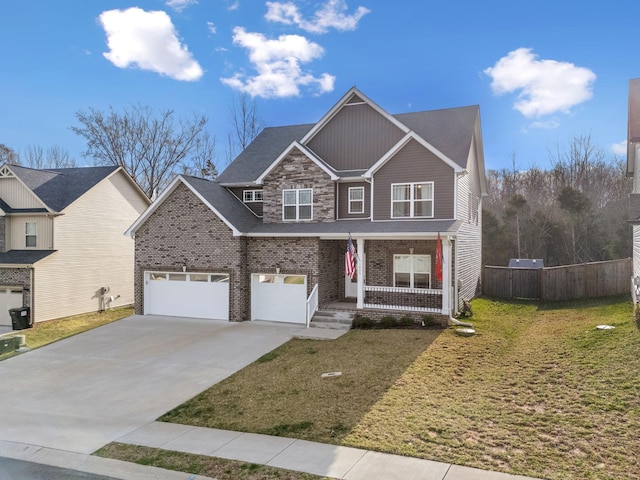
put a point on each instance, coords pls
(447, 273)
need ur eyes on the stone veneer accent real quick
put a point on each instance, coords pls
(297, 171)
(184, 231)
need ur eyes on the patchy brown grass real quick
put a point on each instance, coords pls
(538, 392)
(284, 394)
(52, 331)
(217, 468)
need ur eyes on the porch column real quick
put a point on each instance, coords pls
(447, 272)
(360, 273)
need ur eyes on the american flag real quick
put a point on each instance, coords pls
(350, 259)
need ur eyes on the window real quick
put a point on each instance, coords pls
(356, 199)
(252, 196)
(297, 204)
(410, 200)
(412, 271)
(31, 236)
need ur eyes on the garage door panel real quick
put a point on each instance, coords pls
(9, 298)
(275, 298)
(179, 295)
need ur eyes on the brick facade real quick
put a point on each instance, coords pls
(379, 254)
(293, 172)
(185, 232)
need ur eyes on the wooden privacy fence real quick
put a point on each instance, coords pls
(569, 282)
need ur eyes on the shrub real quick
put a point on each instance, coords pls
(364, 323)
(405, 322)
(388, 321)
(428, 321)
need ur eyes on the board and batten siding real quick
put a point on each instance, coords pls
(92, 252)
(16, 195)
(468, 244)
(17, 231)
(355, 138)
(414, 163)
(343, 200)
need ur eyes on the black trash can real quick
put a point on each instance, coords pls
(20, 318)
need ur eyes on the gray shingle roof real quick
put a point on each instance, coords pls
(225, 202)
(450, 130)
(23, 257)
(59, 187)
(261, 153)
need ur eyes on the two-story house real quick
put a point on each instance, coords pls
(62, 248)
(269, 236)
(633, 170)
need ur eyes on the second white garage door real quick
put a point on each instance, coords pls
(197, 295)
(279, 298)
(10, 297)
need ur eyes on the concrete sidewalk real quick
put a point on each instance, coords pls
(302, 456)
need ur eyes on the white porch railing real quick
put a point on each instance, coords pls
(407, 299)
(312, 303)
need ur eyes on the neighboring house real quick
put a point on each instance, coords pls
(633, 168)
(270, 234)
(62, 248)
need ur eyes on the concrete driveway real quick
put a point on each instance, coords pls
(86, 391)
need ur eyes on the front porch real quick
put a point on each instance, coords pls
(397, 276)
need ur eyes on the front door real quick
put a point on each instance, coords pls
(351, 284)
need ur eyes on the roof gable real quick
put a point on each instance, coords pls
(58, 188)
(307, 153)
(223, 203)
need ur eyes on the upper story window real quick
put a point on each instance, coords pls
(31, 234)
(412, 200)
(252, 196)
(297, 204)
(356, 199)
(412, 271)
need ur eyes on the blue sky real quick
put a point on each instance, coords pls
(543, 72)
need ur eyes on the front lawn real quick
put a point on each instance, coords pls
(53, 330)
(539, 391)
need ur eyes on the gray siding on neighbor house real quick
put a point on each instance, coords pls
(343, 200)
(414, 163)
(183, 231)
(355, 138)
(297, 171)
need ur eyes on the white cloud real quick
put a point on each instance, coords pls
(278, 65)
(619, 148)
(330, 15)
(212, 28)
(545, 124)
(180, 5)
(545, 86)
(233, 5)
(148, 41)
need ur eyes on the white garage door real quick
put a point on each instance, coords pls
(198, 295)
(10, 297)
(279, 298)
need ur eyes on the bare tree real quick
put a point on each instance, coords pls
(203, 163)
(35, 156)
(8, 155)
(151, 146)
(245, 122)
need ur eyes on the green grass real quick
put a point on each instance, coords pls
(51, 331)
(539, 391)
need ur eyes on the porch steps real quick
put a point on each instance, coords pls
(333, 319)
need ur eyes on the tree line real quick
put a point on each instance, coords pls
(574, 212)
(151, 145)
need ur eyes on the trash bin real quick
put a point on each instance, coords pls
(20, 318)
